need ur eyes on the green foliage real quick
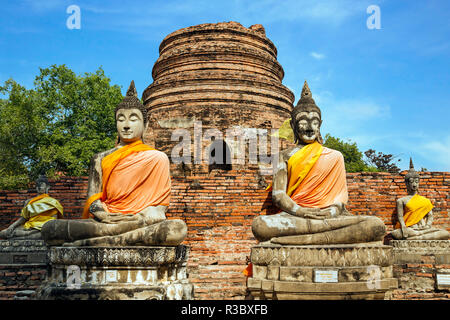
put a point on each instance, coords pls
(56, 127)
(353, 158)
(383, 162)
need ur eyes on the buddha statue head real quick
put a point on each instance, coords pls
(42, 184)
(306, 119)
(412, 179)
(131, 117)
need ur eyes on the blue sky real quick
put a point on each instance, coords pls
(385, 89)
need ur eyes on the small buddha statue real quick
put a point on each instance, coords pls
(36, 212)
(310, 189)
(415, 214)
(129, 190)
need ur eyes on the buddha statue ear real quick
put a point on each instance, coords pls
(145, 130)
(319, 138)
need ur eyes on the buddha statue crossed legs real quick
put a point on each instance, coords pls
(128, 192)
(310, 188)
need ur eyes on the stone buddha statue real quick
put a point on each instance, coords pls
(128, 192)
(36, 212)
(415, 214)
(310, 189)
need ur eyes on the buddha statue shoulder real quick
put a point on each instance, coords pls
(415, 213)
(36, 212)
(310, 189)
(129, 191)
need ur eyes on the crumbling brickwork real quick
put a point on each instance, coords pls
(218, 209)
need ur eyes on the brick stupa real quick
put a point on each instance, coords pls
(226, 76)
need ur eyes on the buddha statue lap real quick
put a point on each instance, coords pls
(128, 192)
(415, 214)
(36, 212)
(310, 189)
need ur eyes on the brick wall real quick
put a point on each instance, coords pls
(417, 281)
(219, 207)
(20, 277)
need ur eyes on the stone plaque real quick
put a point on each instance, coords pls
(111, 275)
(20, 258)
(325, 276)
(443, 279)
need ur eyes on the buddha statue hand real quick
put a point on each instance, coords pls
(406, 233)
(96, 209)
(117, 217)
(314, 213)
(333, 211)
(9, 233)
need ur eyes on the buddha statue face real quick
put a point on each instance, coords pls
(42, 187)
(412, 184)
(130, 125)
(306, 126)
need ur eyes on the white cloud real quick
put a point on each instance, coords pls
(317, 56)
(329, 11)
(143, 14)
(356, 110)
(436, 151)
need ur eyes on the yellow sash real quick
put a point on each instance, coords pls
(108, 164)
(416, 208)
(39, 210)
(300, 164)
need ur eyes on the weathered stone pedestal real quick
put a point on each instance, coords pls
(326, 272)
(117, 273)
(23, 267)
(422, 268)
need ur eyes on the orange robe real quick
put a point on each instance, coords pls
(134, 177)
(324, 184)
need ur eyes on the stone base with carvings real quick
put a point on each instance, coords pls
(117, 273)
(411, 251)
(423, 269)
(23, 252)
(356, 271)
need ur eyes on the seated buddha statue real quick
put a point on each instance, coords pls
(129, 190)
(415, 214)
(36, 212)
(310, 189)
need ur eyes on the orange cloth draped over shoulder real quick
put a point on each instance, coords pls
(324, 184)
(415, 210)
(134, 177)
(316, 177)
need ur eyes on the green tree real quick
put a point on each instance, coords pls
(57, 126)
(353, 158)
(383, 162)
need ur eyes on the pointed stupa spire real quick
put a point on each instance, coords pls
(412, 173)
(131, 100)
(132, 92)
(306, 102)
(306, 92)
